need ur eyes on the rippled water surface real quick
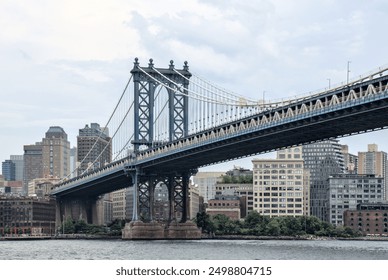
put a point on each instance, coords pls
(200, 249)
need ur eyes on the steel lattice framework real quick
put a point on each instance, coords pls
(146, 81)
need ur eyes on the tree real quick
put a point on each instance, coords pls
(273, 227)
(204, 222)
(68, 226)
(224, 225)
(313, 225)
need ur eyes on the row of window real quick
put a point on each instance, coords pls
(291, 194)
(278, 165)
(281, 205)
(279, 200)
(280, 211)
(222, 204)
(276, 177)
(281, 171)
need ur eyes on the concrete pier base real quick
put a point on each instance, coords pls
(153, 230)
(187, 230)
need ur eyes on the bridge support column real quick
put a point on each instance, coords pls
(75, 209)
(184, 229)
(177, 226)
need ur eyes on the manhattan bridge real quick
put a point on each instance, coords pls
(169, 122)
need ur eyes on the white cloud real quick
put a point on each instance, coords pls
(68, 58)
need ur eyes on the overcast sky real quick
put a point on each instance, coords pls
(65, 63)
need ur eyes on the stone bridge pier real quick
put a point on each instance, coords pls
(76, 209)
(144, 225)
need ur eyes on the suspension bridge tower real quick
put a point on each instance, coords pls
(147, 82)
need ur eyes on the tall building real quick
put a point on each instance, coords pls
(73, 162)
(346, 191)
(350, 160)
(281, 186)
(374, 162)
(33, 163)
(47, 159)
(94, 148)
(56, 153)
(19, 166)
(8, 170)
(322, 159)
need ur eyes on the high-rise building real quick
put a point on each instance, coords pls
(322, 159)
(8, 170)
(374, 162)
(56, 153)
(281, 186)
(94, 148)
(73, 162)
(47, 159)
(19, 166)
(33, 163)
(350, 161)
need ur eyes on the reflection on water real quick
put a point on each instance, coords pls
(198, 249)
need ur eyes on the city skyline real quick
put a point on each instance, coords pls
(356, 143)
(263, 49)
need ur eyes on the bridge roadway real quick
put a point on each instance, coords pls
(353, 109)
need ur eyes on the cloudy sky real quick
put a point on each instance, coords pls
(65, 63)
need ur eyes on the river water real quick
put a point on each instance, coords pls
(193, 250)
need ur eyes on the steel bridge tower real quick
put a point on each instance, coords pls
(146, 81)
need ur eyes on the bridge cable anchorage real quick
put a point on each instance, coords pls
(99, 136)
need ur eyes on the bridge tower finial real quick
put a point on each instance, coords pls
(186, 66)
(151, 64)
(171, 67)
(136, 63)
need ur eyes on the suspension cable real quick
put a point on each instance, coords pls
(183, 93)
(101, 132)
(110, 141)
(214, 92)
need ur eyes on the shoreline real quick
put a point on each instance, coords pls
(306, 238)
(204, 237)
